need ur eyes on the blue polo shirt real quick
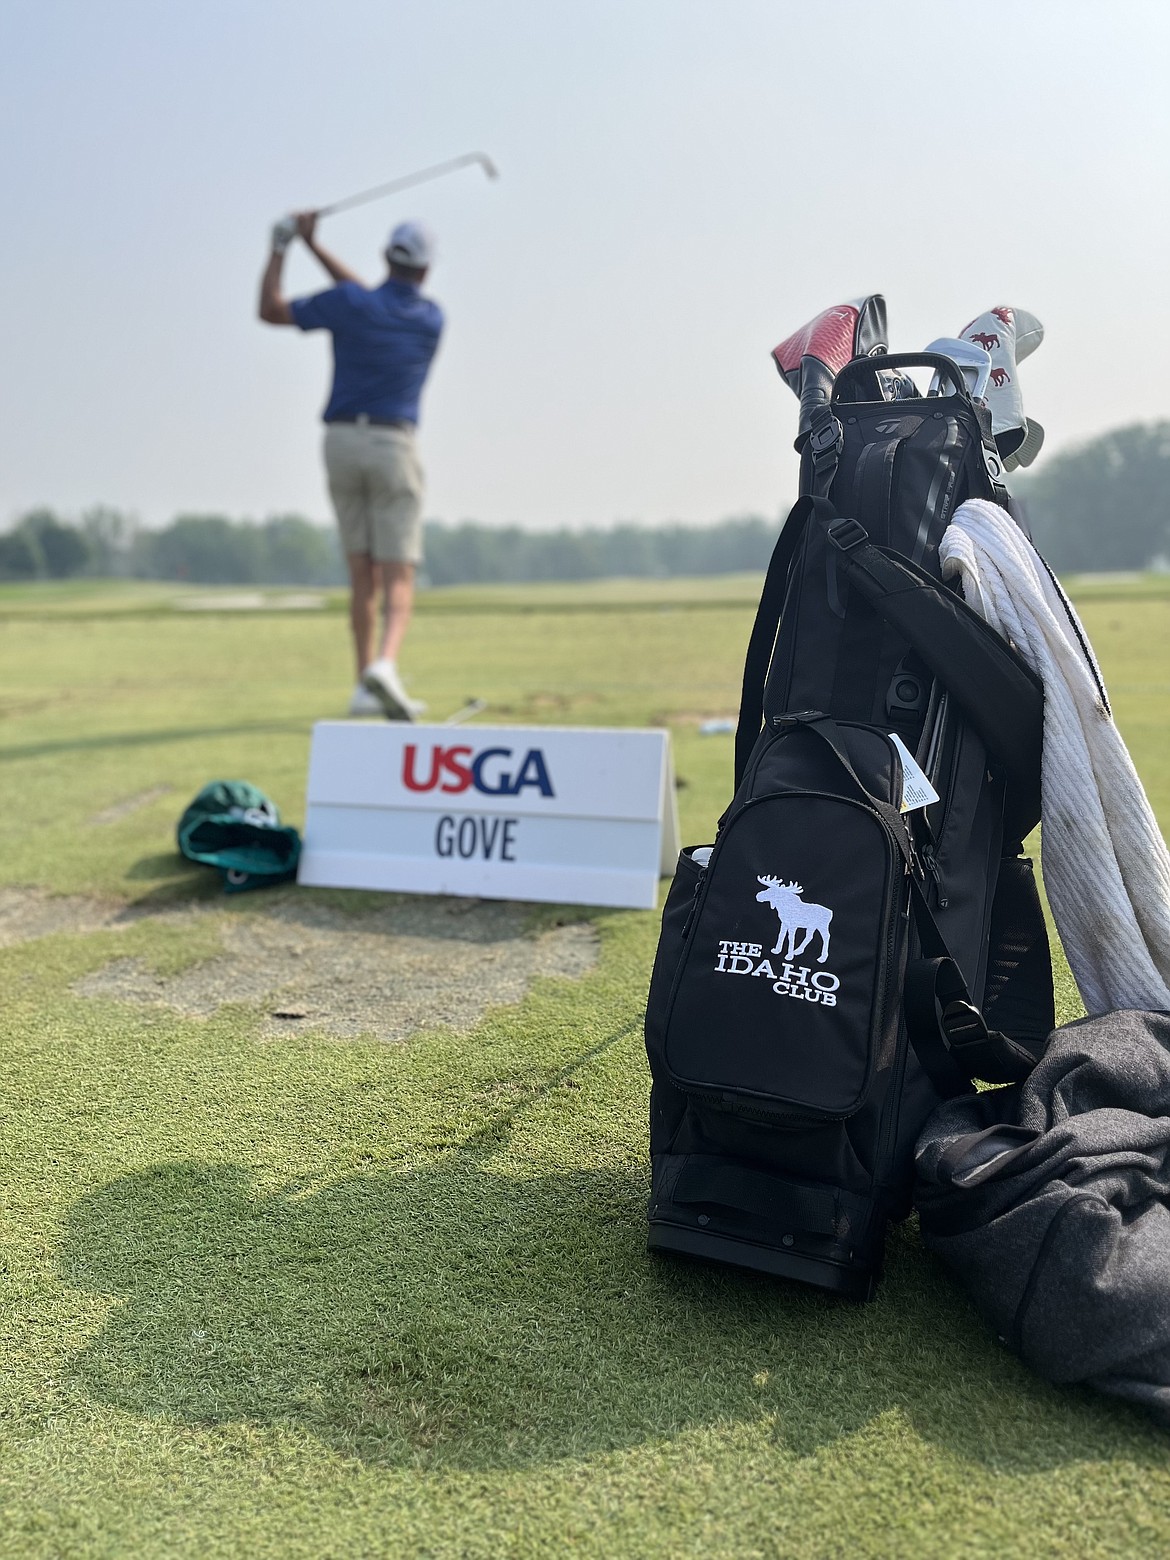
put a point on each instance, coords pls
(383, 341)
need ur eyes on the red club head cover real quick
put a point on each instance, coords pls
(848, 330)
(811, 358)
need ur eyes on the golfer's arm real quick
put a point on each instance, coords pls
(273, 309)
(332, 264)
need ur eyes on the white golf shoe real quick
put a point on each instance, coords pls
(363, 702)
(381, 679)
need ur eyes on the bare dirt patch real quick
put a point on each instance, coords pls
(387, 973)
(29, 913)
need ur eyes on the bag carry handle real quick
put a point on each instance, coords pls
(862, 368)
(767, 625)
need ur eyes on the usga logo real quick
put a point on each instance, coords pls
(799, 924)
(492, 771)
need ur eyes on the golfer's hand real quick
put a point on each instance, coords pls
(306, 222)
(283, 233)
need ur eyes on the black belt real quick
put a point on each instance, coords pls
(375, 422)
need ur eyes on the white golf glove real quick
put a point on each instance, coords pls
(283, 233)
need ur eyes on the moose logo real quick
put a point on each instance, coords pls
(985, 340)
(796, 918)
(1000, 377)
(1004, 313)
(799, 924)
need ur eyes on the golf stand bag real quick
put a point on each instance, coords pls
(865, 936)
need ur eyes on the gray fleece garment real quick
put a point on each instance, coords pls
(1050, 1203)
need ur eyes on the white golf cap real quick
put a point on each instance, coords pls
(411, 244)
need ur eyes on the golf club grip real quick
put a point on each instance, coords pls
(859, 367)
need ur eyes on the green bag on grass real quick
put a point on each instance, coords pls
(232, 825)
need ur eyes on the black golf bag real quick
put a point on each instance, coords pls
(865, 936)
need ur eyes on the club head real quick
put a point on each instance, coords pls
(896, 386)
(974, 363)
(472, 707)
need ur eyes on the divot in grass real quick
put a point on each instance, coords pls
(386, 973)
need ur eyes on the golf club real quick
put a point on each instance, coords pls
(436, 171)
(472, 707)
(973, 361)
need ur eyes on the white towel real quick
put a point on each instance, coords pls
(1106, 868)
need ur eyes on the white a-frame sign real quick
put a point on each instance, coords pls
(562, 814)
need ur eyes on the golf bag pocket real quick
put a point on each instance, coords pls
(689, 876)
(771, 994)
(728, 1204)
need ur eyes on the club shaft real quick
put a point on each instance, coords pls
(436, 171)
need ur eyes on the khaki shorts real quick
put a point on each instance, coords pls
(376, 484)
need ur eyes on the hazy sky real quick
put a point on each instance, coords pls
(683, 183)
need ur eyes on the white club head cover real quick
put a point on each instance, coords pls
(1009, 335)
(1025, 453)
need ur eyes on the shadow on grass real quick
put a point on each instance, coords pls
(178, 881)
(160, 864)
(455, 1316)
(132, 739)
(175, 880)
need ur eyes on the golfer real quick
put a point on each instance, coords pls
(384, 339)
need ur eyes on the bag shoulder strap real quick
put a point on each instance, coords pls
(948, 1032)
(999, 693)
(767, 624)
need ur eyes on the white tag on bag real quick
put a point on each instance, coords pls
(917, 790)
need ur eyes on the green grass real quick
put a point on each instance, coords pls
(321, 1298)
(77, 599)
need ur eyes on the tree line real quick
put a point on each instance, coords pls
(290, 550)
(480, 554)
(1102, 505)
(203, 549)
